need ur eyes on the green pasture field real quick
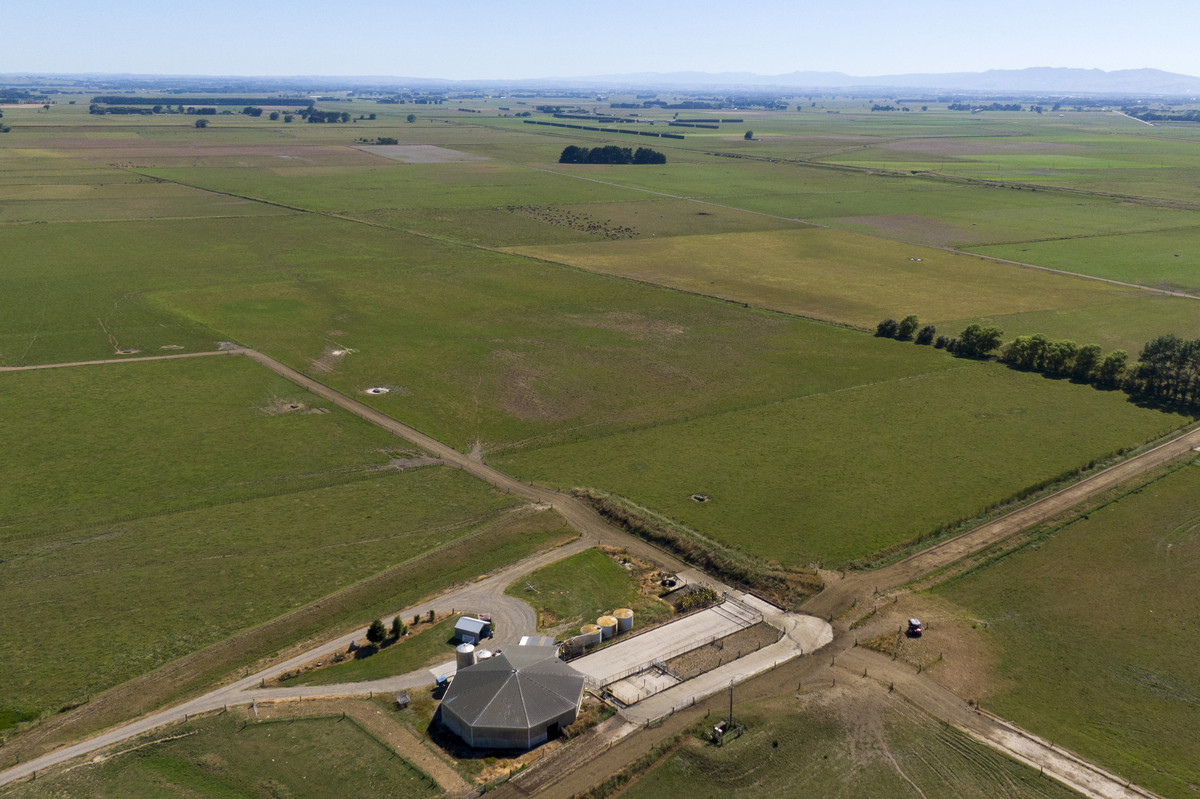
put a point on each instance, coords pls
(907, 456)
(1163, 259)
(841, 747)
(489, 347)
(219, 757)
(182, 483)
(858, 280)
(583, 587)
(393, 185)
(423, 646)
(1097, 626)
(91, 445)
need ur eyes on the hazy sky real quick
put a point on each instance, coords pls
(466, 39)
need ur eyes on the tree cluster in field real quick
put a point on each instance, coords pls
(313, 115)
(1167, 370)
(610, 154)
(573, 221)
(385, 140)
(252, 111)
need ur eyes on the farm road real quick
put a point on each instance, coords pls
(1072, 771)
(119, 360)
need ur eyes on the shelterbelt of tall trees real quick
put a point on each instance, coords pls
(610, 155)
(1167, 369)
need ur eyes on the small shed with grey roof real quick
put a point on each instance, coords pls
(516, 700)
(471, 631)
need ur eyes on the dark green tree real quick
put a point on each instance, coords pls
(398, 628)
(411, 118)
(925, 335)
(887, 328)
(1112, 368)
(1086, 362)
(976, 341)
(749, 135)
(907, 327)
(376, 632)
(202, 123)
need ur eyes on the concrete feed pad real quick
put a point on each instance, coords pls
(657, 644)
(636, 688)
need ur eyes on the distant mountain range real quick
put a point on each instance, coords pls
(1034, 79)
(1051, 81)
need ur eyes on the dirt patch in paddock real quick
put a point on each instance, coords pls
(420, 153)
(277, 407)
(330, 358)
(639, 327)
(920, 229)
(965, 147)
(954, 649)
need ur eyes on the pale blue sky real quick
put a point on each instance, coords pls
(464, 39)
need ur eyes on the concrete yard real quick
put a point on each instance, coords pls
(625, 657)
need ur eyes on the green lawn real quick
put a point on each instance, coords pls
(582, 588)
(1098, 628)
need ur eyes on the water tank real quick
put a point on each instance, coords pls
(624, 617)
(607, 625)
(590, 634)
(464, 655)
(483, 654)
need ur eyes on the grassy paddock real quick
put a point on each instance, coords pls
(1097, 626)
(838, 746)
(908, 456)
(224, 756)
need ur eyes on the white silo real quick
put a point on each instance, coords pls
(464, 655)
(624, 617)
(590, 633)
(607, 625)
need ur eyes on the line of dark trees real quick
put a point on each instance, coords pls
(118, 99)
(1167, 369)
(604, 130)
(610, 154)
(1192, 115)
(992, 107)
